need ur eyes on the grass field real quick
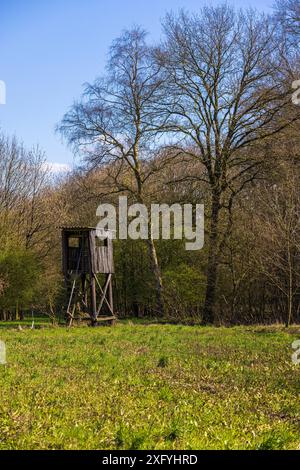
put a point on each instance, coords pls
(139, 386)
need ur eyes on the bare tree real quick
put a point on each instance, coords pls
(278, 228)
(24, 177)
(115, 125)
(287, 13)
(225, 93)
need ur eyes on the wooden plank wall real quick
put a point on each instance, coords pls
(101, 256)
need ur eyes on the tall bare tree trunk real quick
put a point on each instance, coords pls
(290, 286)
(157, 274)
(212, 264)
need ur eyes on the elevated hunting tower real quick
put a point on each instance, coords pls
(87, 255)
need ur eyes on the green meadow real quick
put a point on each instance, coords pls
(149, 386)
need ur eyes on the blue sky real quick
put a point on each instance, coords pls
(49, 48)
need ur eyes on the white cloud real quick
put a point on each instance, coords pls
(57, 168)
(2, 92)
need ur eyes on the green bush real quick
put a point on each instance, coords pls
(184, 290)
(19, 269)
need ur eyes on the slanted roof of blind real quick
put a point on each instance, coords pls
(75, 227)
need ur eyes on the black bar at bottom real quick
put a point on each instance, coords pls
(136, 459)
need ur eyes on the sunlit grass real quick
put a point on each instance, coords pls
(149, 387)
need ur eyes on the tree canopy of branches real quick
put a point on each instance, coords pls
(117, 123)
(204, 116)
(225, 93)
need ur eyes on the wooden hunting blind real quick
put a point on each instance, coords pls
(87, 253)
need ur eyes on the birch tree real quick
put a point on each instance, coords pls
(115, 125)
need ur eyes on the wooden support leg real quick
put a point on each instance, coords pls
(69, 314)
(103, 293)
(93, 312)
(110, 295)
(84, 297)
